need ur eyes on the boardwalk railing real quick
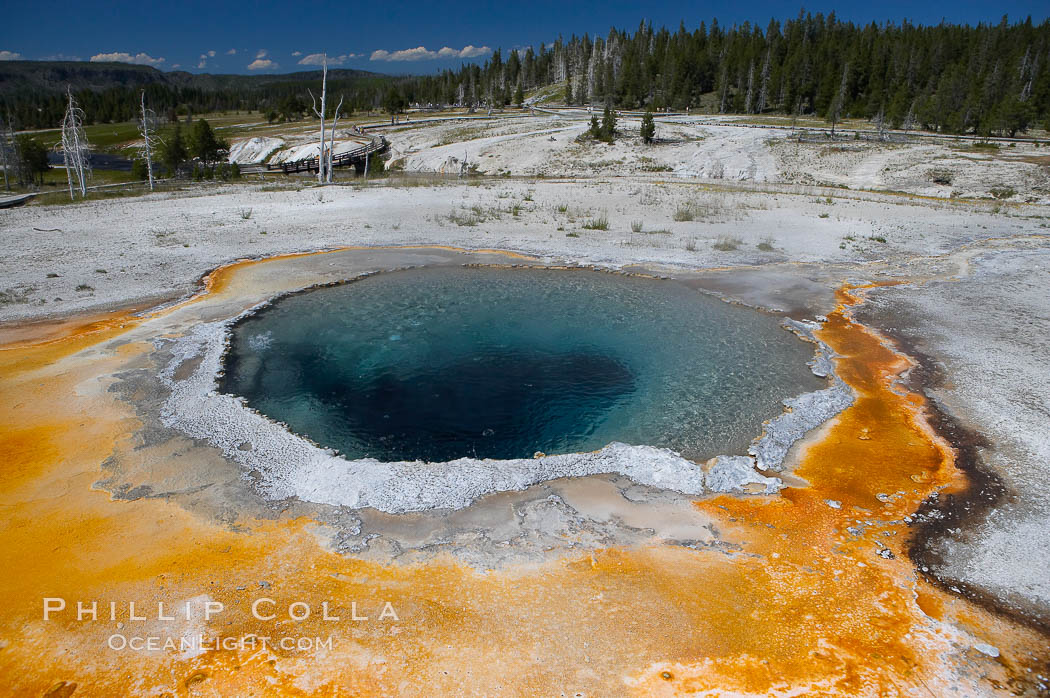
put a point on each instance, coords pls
(377, 145)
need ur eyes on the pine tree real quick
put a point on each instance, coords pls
(607, 131)
(393, 101)
(204, 145)
(33, 159)
(173, 151)
(139, 170)
(648, 130)
(519, 95)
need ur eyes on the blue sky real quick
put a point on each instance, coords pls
(392, 37)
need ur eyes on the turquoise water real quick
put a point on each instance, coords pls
(440, 363)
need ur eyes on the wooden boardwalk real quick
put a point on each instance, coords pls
(16, 200)
(356, 157)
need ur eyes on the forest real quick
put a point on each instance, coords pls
(989, 79)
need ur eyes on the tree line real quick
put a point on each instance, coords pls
(986, 79)
(35, 108)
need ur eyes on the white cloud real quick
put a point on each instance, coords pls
(177, 65)
(263, 53)
(318, 58)
(297, 53)
(10, 56)
(474, 51)
(232, 52)
(122, 57)
(61, 57)
(421, 53)
(204, 59)
(261, 64)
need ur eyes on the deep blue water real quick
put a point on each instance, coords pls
(440, 363)
(99, 161)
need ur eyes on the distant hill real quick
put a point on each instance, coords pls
(54, 76)
(32, 92)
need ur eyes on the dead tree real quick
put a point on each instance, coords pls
(7, 151)
(75, 147)
(763, 90)
(331, 148)
(839, 103)
(146, 129)
(320, 115)
(909, 120)
(749, 100)
(880, 124)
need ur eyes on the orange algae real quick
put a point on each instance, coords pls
(793, 603)
(832, 605)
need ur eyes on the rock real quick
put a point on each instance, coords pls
(733, 473)
(987, 649)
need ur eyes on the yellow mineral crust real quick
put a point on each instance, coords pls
(791, 602)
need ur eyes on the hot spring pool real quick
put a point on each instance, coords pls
(440, 363)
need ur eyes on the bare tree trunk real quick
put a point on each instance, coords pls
(909, 120)
(67, 160)
(6, 152)
(763, 90)
(749, 100)
(724, 90)
(320, 115)
(74, 146)
(147, 138)
(331, 148)
(16, 152)
(880, 124)
(839, 101)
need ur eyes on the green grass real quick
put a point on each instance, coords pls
(685, 212)
(113, 138)
(548, 94)
(599, 223)
(726, 244)
(464, 219)
(56, 178)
